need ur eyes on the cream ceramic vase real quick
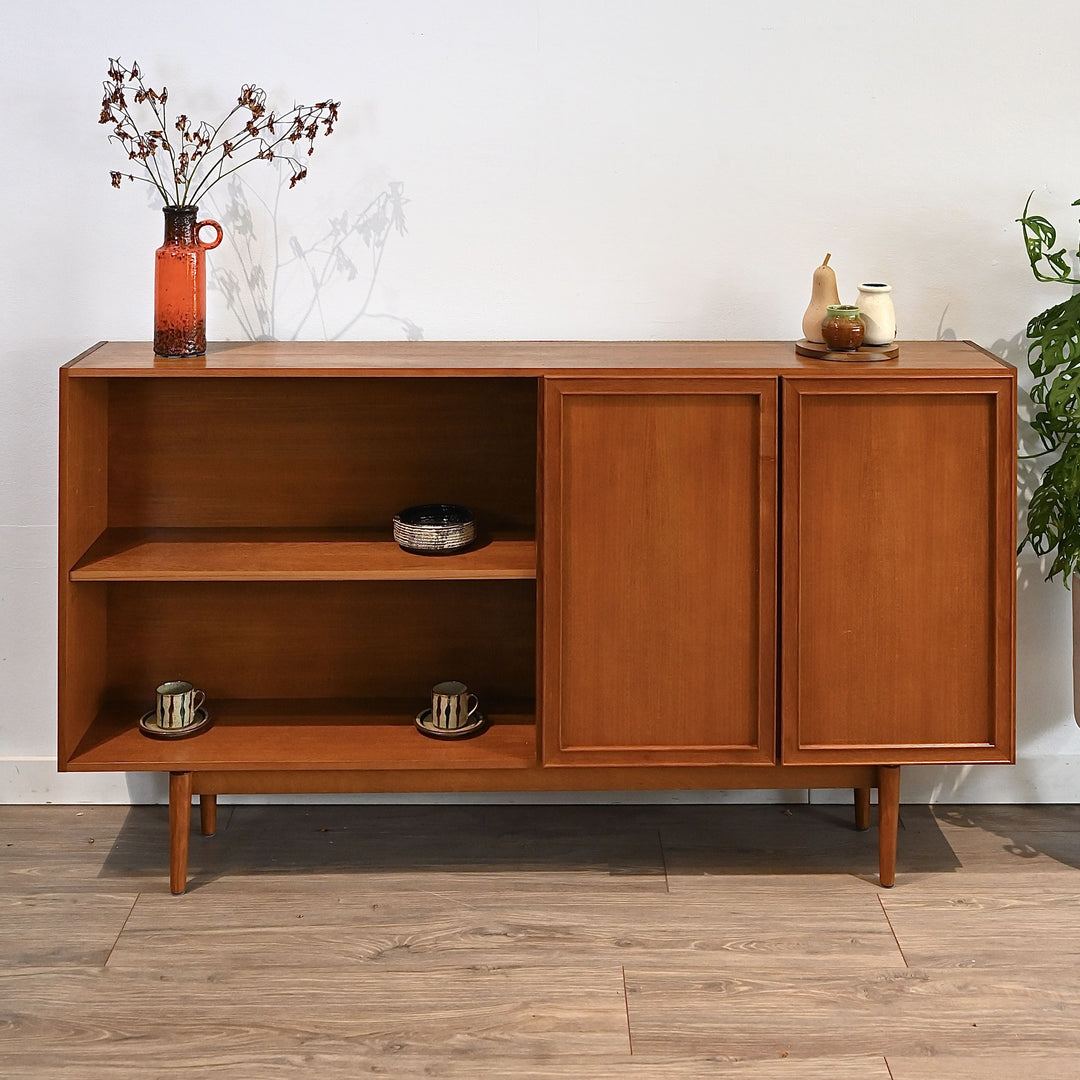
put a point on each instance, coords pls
(876, 309)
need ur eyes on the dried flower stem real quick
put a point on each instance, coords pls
(184, 169)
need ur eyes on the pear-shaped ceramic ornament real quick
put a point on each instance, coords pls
(822, 296)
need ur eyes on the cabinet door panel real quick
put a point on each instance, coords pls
(658, 569)
(899, 570)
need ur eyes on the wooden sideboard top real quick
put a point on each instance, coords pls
(524, 358)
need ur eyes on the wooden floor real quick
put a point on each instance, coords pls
(534, 941)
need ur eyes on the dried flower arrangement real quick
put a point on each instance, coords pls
(185, 166)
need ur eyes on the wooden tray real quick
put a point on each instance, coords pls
(820, 351)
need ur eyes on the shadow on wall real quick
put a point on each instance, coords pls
(1028, 468)
(312, 287)
(1029, 464)
(1039, 623)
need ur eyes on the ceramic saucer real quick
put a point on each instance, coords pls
(148, 725)
(425, 726)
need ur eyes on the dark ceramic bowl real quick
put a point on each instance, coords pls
(434, 528)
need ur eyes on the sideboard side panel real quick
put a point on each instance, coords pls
(83, 515)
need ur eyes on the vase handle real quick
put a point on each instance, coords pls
(208, 224)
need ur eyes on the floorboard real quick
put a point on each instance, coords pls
(1001, 1065)
(991, 921)
(72, 928)
(911, 1011)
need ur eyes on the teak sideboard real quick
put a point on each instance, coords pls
(702, 565)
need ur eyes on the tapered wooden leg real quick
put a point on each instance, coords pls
(862, 808)
(208, 814)
(179, 828)
(888, 821)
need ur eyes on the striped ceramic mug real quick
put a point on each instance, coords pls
(452, 706)
(177, 704)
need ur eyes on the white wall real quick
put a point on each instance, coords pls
(574, 169)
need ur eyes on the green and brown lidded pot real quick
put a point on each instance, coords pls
(842, 328)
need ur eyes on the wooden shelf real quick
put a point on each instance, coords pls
(292, 555)
(306, 734)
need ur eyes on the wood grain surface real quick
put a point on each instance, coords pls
(889, 1012)
(289, 639)
(83, 515)
(659, 593)
(58, 928)
(976, 923)
(293, 555)
(303, 734)
(899, 570)
(270, 359)
(536, 941)
(998, 1065)
(320, 453)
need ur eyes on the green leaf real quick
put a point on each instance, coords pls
(1053, 514)
(1055, 338)
(1040, 236)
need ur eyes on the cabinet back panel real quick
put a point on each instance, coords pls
(323, 640)
(319, 452)
(895, 618)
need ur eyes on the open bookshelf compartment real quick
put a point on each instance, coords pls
(254, 555)
(313, 674)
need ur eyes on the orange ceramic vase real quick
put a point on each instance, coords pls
(180, 284)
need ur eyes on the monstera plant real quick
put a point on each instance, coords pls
(1053, 516)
